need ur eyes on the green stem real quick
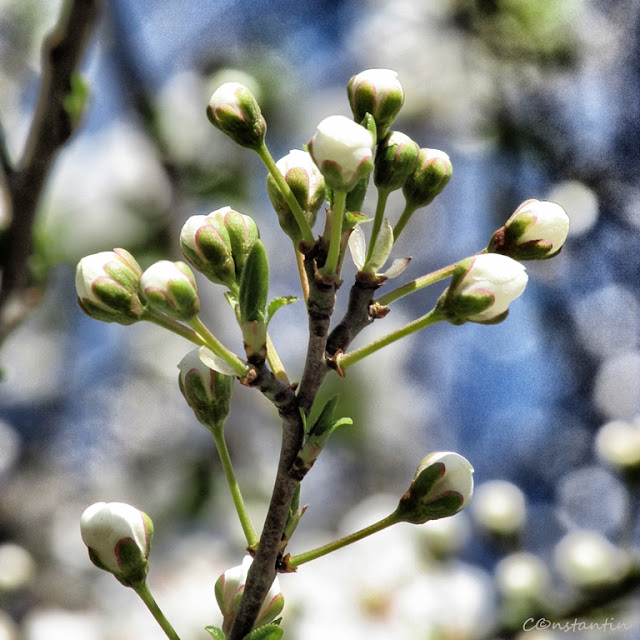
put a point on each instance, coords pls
(295, 561)
(225, 459)
(218, 348)
(383, 195)
(344, 361)
(146, 597)
(294, 205)
(330, 267)
(418, 283)
(173, 325)
(404, 218)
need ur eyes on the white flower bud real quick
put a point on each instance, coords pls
(522, 576)
(536, 230)
(441, 486)
(482, 289)
(107, 286)
(229, 589)
(378, 92)
(499, 507)
(343, 151)
(170, 287)
(587, 560)
(119, 539)
(234, 110)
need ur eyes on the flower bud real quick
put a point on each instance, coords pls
(119, 540)
(482, 288)
(229, 589)
(234, 110)
(243, 232)
(378, 92)
(343, 151)
(587, 560)
(430, 176)
(536, 230)
(499, 508)
(522, 576)
(307, 185)
(107, 286)
(170, 287)
(396, 159)
(441, 486)
(206, 391)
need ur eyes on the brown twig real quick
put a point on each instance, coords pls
(51, 128)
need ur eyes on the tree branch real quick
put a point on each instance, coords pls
(51, 128)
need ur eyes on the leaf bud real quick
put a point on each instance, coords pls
(118, 537)
(107, 284)
(170, 287)
(234, 110)
(441, 486)
(378, 92)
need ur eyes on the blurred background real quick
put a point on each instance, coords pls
(531, 99)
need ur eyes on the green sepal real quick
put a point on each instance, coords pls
(410, 506)
(75, 102)
(215, 633)
(105, 315)
(278, 303)
(268, 632)
(356, 196)
(133, 563)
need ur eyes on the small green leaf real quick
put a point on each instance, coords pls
(75, 101)
(254, 285)
(215, 633)
(268, 632)
(277, 304)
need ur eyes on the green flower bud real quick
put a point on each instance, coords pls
(536, 230)
(107, 284)
(482, 288)
(378, 92)
(343, 151)
(206, 391)
(396, 159)
(243, 232)
(234, 110)
(430, 176)
(119, 540)
(307, 185)
(170, 287)
(441, 486)
(229, 589)
(207, 247)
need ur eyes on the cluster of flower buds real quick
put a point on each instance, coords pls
(218, 244)
(118, 537)
(206, 391)
(442, 486)
(536, 230)
(481, 289)
(229, 589)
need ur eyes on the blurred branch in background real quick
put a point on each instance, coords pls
(59, 110)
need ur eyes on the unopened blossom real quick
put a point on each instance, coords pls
(378, 92)
(618, 445)
(343, 151)
(118, 537)
(170, 287)
(536, 230)
(234, 110)
(307, 185)
(482, 288)
(396, 159)
(499, 507)
(430, 176)
(229, 589)
(107, 284)
(441, 486)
